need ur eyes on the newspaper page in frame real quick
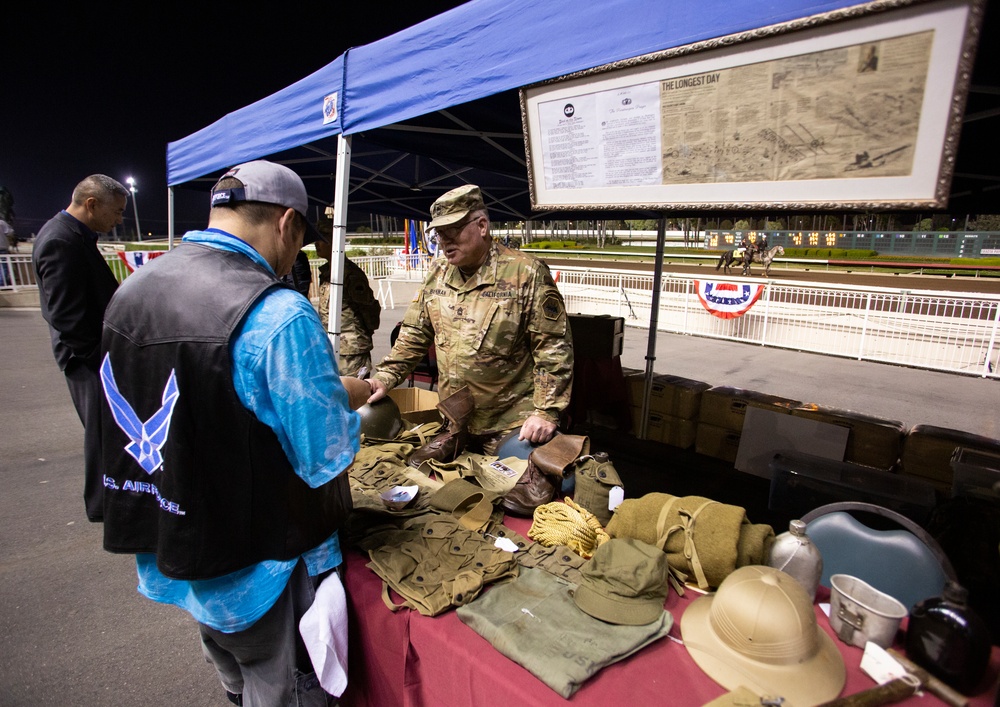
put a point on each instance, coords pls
(609, 138)
(842, 113)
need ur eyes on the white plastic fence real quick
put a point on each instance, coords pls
(400, 266)
(16, 272)
(946, 331)
(954, 332)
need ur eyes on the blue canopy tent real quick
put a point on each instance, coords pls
(436, 105)
(415, 93)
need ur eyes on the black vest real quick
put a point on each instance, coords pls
(191, 474)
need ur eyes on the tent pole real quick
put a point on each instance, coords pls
(654, 311)
(170, 218)
(339, 244)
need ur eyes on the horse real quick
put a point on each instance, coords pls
(764, 259)
(729, 257)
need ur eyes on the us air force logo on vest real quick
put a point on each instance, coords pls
(147, 437)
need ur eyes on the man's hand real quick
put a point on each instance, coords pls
(378, 389)
(357, 391)
(537, 430)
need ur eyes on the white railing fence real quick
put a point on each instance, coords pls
(399, 266)
(951, 332)
(16, 272)
(945, 331)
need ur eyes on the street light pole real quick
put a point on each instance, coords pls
(135, 207)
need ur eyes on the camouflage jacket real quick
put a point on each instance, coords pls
(503, 332)
(359, 312)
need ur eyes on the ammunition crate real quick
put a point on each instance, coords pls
(927, 452)
(717, 442)
(597, 335)
(668, 395)
(668, 429)
(872, 442)
(802, 482)
(725, 407)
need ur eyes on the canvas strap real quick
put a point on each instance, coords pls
(687, 526)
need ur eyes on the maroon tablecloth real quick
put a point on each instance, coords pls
(407, 659)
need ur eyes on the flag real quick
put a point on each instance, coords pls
(414, 248)
(137, 258)
(727, 300)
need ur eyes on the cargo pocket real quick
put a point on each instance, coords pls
(500, 330)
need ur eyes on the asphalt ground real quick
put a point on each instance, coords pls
(75, 631)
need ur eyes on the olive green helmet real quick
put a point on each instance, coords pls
(511, 446)
(381, 419)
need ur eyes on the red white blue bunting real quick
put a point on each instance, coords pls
(727, 300)
(137, 258)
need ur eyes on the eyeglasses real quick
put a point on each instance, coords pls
(451, 233)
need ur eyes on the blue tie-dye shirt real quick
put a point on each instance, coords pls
(285, 373)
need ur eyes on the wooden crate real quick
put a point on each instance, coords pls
(717, 442)
(668, 429)
(669, 395)
(872, 441)
(927, 452)
(725, 407)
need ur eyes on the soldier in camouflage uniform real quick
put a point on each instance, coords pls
(359, 312)
(498, 323)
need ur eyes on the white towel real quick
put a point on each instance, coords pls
(324, 630)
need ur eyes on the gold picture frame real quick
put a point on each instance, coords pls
(856, 109)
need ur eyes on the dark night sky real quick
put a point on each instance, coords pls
(103, 87)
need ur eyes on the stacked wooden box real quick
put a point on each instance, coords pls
(927, 453)
(674, 403)
(720, 420)
(685, 413)
(871, 442)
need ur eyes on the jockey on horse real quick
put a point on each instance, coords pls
(744, 251)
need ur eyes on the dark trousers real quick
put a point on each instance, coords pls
(85, 388)
(267, 665)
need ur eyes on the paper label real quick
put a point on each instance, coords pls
(505, 470)
(505, 544)
(615, 497)
(879, 665)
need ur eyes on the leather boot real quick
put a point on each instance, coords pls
(547, 465)
(447, 445)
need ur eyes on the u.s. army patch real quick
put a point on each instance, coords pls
(552, 307)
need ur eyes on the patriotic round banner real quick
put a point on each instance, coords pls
(727, 300)
(136, 258)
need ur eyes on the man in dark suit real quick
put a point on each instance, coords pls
(75, 285)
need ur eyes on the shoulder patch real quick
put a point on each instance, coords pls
(552, 307)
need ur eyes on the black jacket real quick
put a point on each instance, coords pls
(75, 285)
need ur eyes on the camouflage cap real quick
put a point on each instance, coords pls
(625, 582)
(453, 206)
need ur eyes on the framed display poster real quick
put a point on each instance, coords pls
(855, 109)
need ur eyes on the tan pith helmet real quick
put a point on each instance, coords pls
(759, 629)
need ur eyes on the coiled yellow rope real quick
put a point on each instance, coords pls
(567, 524)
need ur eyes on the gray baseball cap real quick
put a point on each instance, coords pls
(269, 183)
